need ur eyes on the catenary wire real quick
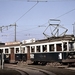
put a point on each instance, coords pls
(26, 12)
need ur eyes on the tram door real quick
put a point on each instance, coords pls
(28, 52)
(12, 55)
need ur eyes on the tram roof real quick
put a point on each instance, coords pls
(53, 39)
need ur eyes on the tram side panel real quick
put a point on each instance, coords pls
(46, 57)
(62, 57)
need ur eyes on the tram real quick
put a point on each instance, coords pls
(55, 49)
(58, 49)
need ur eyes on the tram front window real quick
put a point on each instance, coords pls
(71, 46)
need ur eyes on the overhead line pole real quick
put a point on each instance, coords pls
(74, 29)
(14, 30)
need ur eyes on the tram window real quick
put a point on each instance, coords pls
(17, 50)
(6, 51)
(23, 49)
(44, 48)
(51, 47)
(65, 46)
(38, 48)
(71, 46)
(58, 47)
(33, 49)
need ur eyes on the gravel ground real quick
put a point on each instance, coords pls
(7, 71)
(57, 71)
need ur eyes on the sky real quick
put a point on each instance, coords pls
(32, 18)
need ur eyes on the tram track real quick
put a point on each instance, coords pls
(22, 72)
(29, 70)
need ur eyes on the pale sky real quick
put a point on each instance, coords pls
(32, 18)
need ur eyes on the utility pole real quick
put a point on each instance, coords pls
(14, 30)
(73, 29)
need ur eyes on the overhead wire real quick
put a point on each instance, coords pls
(26, 12)
(65, 13)
(61, 15)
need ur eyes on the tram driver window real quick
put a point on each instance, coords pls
(44, 48)
(51, 47)
(6, 51)
(38, 48)
(17, 50)
(71, 46)
(33, 49)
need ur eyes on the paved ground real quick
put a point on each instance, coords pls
(57, 71)
(7, 71)
(31, 69)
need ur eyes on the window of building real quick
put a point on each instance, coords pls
(37, 48)
(59, 47)
(17, 50)
(32, 48)
(44, 47)
(6, 51)
(51, 47)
